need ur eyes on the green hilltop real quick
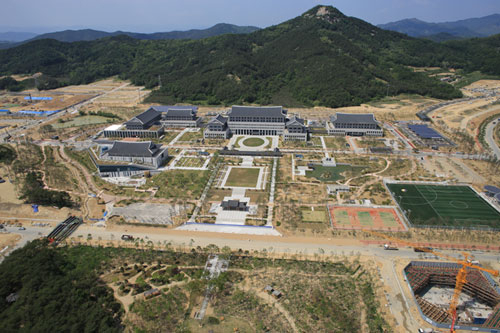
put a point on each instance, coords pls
(319, 58)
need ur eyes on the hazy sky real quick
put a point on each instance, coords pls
(165, 15)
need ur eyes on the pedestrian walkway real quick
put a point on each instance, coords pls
(230, 229)
(178, 136)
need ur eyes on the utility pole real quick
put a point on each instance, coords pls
(159, 81)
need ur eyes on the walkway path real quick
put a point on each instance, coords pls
(327, 155)
(490, 139)
(271, 193)
(178, 136)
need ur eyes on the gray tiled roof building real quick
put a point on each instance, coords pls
(178, 116)
(354, 124)
(252, 120)
(146, 153)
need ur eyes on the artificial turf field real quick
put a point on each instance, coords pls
(443, 205)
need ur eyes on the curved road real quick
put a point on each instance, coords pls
(491, 140)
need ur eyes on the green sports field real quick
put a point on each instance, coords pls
(443, 205)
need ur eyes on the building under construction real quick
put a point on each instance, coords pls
(432, 284)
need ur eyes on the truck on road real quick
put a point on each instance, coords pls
(389, 247)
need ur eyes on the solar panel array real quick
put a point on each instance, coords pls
(425, 132)
(492, 189)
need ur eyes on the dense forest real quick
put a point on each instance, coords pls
(319, 58)
(46, 289)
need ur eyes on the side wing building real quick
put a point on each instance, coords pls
(354, 124)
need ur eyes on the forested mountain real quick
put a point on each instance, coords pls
(475, 27)
(319, 58)
(89, 34)
(49, 289)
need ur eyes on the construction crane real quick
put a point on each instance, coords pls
(461, 276)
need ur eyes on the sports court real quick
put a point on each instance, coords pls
(444, 205)
(347, 217)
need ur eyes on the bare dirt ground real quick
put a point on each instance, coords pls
(23, 213)
(8, 240)
(485, 169)
(59, 101)
(469, 115)
(452, 169)
(8, 192)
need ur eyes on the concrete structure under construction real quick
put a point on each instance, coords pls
(433, 284)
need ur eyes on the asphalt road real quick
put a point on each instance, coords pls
(271, 245)
(490, 139)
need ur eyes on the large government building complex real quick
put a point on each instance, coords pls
(251, 120)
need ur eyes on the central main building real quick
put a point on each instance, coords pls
(262, 121)
(249, 120)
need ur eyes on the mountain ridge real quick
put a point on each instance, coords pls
(321, 57)
(91, 34)
(473, 27)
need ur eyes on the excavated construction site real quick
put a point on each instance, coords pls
(433, 284)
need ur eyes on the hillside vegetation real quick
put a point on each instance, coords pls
(45, 289)
(319, 58)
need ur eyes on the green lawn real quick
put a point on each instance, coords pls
(191, 162)
(191, 136)
(442, 205)
(314, 216)
(243, 177)
(332, 174)
(181, 184)
(253, 142)
(337, 143)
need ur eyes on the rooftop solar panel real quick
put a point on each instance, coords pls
(425, 132)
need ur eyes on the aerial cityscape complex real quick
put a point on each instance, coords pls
(259, 203)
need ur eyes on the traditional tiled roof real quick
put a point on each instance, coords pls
(254, 111)
(218, 119)
(353, 118)
(138, 149)
(177, 110)
(295, 121)
(145, 117)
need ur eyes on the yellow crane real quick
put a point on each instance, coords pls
(461, 276)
